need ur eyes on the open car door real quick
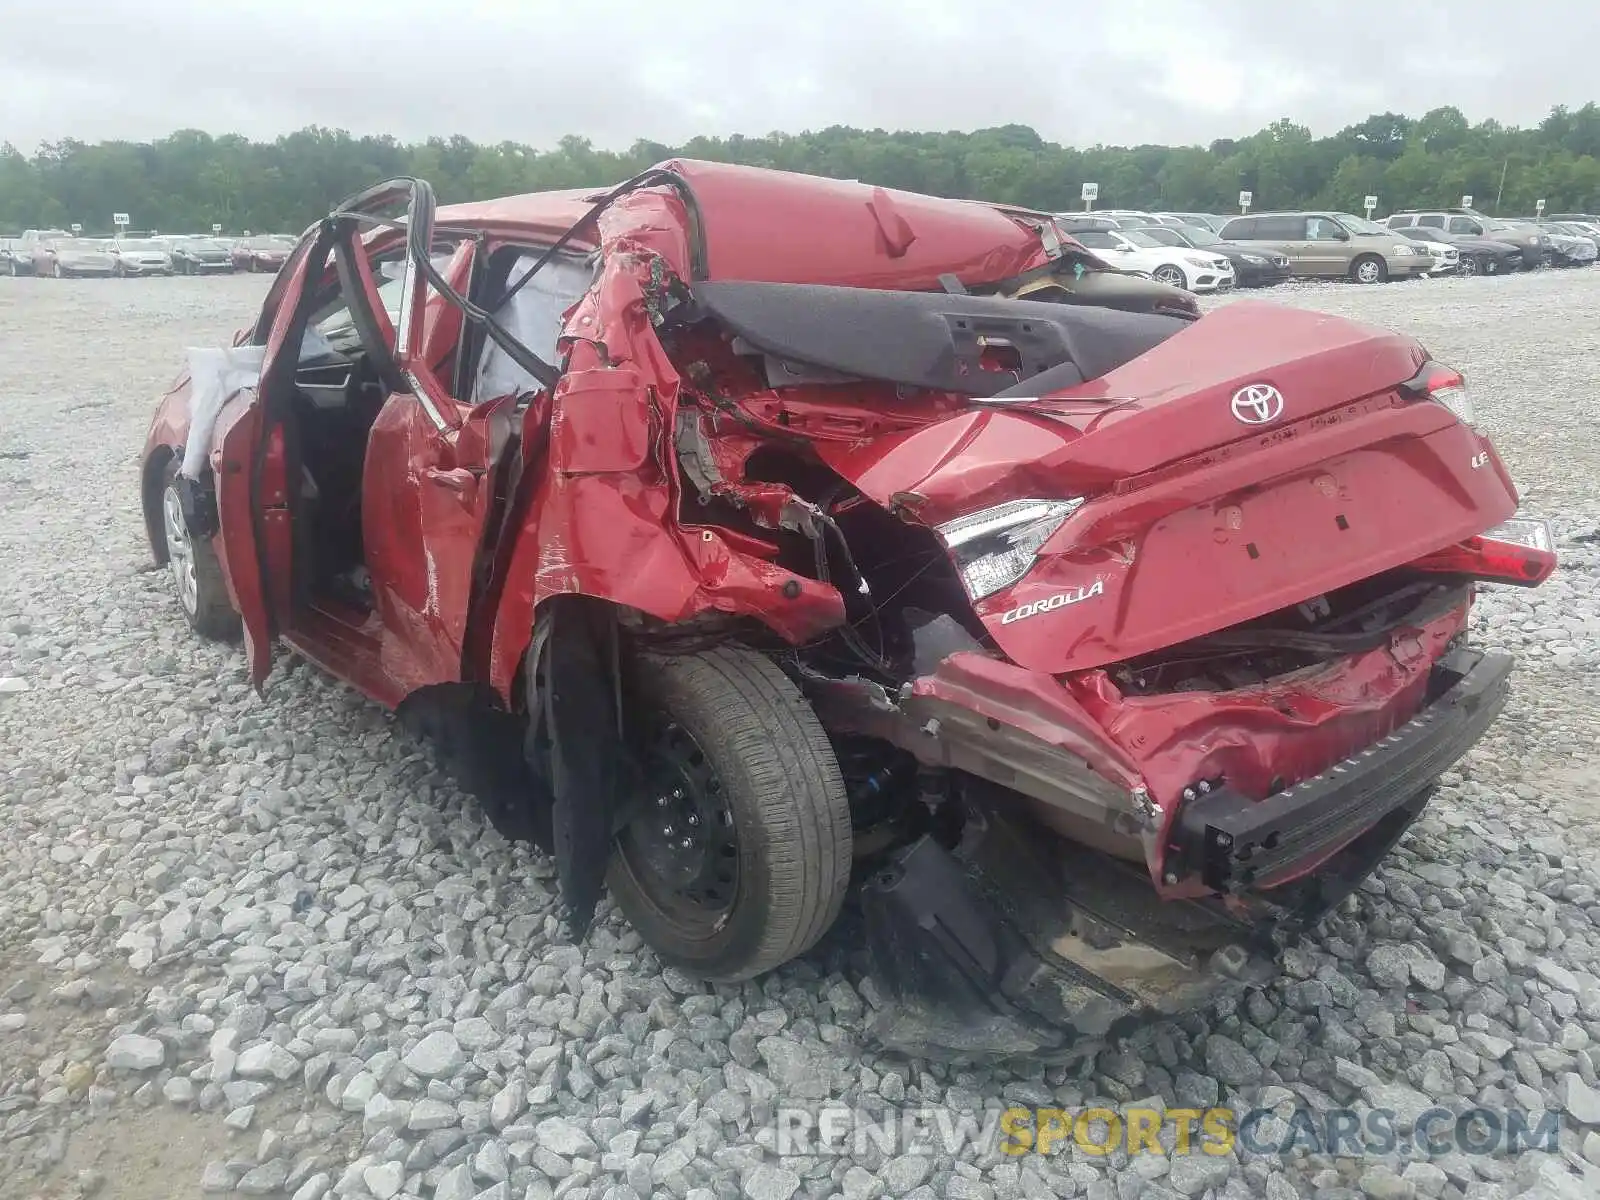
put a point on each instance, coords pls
(248, 466)
(426, 482)
(427, 491)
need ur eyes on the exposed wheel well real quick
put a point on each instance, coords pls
(150, 486)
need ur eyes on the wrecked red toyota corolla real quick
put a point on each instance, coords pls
(745, 535)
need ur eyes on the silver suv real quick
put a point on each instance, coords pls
(1332, 245)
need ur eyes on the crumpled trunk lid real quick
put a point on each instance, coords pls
(1207, 501)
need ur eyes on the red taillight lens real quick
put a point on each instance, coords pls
(1518, 552)
(1442, 385)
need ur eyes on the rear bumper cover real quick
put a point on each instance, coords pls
(1017, 942)
(1237, 844)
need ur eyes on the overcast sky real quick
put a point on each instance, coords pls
(1122, 71)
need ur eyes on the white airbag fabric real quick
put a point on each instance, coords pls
(533, 315)
(214, 375)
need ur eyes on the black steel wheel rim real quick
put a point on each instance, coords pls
(683, 848)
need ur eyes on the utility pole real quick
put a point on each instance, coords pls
(1500, 191)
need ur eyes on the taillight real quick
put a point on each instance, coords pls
(1442, 385)
(1520, 552)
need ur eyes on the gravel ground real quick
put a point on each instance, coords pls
(261, 944)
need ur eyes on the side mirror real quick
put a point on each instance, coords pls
(1342, 235)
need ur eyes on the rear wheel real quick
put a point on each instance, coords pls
(742, 854)
(1171, 276)
(1369, 268)
(196, 574)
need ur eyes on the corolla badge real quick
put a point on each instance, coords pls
(1257, 403)
(1051, 603)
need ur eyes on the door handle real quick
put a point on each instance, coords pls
(459, 480)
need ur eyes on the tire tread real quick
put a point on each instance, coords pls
(796, 794)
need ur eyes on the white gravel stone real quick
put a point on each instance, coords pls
(384, 1180)
(456, 1184)
(267, 1060)
(134, 1052)
(561, 1136)
(1580, 1100)
(435, 1056)
(509, 1102)
(429, 1114)
(475, 1033)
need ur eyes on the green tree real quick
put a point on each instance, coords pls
(191, 179)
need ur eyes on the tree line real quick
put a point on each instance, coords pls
(190, 180)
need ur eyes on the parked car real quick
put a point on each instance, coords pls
(1179, 266)
(847, 562)
(1589, 229)
(1075, 221)
(139, 256)
(1209, 221)
(1126, 215)
(1566, 249)
(8, 259)
(200, 255)
(1446, 258)
(1477, 255)
(62, 257)
(1252, 266)
(1331, 245)
(1574, 229)
(24, 248)
(263, 252)
(1471, 223)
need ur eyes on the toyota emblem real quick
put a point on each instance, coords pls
(1258, 403)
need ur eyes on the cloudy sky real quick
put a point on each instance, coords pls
(532, 70)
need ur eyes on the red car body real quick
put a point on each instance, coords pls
(260, 253)
(1188, 522)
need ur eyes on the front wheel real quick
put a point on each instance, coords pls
(741, 856)
(1470, 265)
(1171, 276)
(1369, 268)
(196, 574)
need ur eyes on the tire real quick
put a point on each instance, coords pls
(1369, 268)
(774, 845)
(1470, 265)
(56, 272)
(1171, 276)
(192, 566)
